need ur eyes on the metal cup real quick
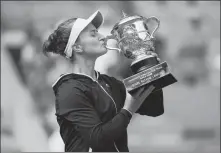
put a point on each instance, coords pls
(136, 42)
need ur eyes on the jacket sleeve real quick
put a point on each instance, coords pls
(77, 108)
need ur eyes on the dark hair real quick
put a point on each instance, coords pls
(58, 40)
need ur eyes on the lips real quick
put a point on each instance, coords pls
(104, 44)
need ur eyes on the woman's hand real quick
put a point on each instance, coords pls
(153, 54)
(136, 98)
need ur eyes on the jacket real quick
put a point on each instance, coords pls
(90, 115)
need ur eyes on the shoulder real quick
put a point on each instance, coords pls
(70, 94)
(67, 84)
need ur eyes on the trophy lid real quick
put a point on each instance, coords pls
(125, 19)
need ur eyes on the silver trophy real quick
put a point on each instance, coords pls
(136, 42)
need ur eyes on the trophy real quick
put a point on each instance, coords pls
(136, 42)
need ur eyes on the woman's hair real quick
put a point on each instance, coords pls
(58, 40)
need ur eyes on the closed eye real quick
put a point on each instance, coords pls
(94, 32)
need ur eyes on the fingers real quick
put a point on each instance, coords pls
(153, 54)
(139, 91)
(147, 92)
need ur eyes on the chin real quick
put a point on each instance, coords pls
(103, 51)
(100, 53)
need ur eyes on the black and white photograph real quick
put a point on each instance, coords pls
(110, 76)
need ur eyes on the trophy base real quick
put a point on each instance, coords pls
(143, 63)
(159, 76)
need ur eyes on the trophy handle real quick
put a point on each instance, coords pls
(111, 48)
(156, 28)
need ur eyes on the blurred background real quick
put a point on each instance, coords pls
(188, 39)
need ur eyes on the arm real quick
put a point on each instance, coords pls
(152, 104)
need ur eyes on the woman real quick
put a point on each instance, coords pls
(93, 110)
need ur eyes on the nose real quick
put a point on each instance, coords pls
(101, 37)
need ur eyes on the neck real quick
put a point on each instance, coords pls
(83, 66)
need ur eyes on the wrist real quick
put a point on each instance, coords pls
(127, 109)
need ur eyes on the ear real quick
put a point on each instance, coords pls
(77, 48)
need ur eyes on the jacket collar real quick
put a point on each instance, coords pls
(67, 76)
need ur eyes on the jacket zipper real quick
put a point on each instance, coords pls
(114, 105)
(116, 147)
(101, 87)
(108, 95)
(115, 108)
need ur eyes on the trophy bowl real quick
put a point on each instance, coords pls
(136, 42)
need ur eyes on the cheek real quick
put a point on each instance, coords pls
(91, 45)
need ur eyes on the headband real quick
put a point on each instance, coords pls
(79, 25)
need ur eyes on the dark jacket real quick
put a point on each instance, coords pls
(90, 112)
